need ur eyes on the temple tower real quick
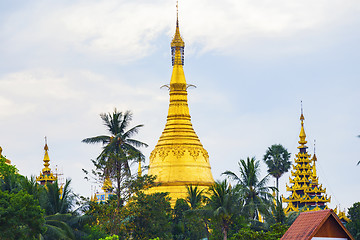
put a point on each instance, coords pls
(179, 159)
(306, 193)
(46, 176)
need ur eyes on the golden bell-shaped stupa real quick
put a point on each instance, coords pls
(179, 159)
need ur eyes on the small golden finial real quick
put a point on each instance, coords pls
(302, 114)
(302, 135)
(177, 13)
(46, 148)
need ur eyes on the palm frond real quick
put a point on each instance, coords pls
(98, 139)
(126, 120)
(136, 143)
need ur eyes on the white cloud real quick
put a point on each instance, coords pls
(126, 30)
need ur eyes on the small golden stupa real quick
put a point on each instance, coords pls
(179, 159)
(46, 176)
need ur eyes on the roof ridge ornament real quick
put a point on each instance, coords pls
(302, 135)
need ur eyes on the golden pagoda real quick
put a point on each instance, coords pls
(7, 161)
(179, 159)
(46, 176)
(107, 192)
(306, 193)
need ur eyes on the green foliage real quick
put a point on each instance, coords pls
(107, 216)
(195, 196)
(253, 191)
(93, 232)
(56, 200)
(113, 237)
(119, 149)
(354, 216)
(224, 203)
(20, 216)
(187, 224)
(6, 169)
(277, 158)
(149, 216)
(276, 232)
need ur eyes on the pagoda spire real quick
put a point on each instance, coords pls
(46, 176)
(302, 134)
(179, 159)
(306, 193)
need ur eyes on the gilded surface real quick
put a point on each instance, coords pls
(179, 158)
(306, 194)
(46, 176)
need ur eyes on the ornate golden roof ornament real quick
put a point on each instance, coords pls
(302, 135)
(305, 190)
(46, 176)
(314, 175)
(179, 159)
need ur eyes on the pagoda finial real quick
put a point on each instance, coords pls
(177, 13)
(302, 135)
(314, 160)
(177, 44)
(46, 158)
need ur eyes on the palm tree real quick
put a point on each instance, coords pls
(58, 202)
(277, 160)
(224, 202)
(195, 199)
(118, 147)
(254, 191)
(195, 196)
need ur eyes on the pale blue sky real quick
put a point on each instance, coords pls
(252, 62)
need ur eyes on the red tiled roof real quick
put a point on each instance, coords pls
(308, 223)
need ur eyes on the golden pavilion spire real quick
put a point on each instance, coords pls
(179, 158)
(306, 193)
(46, 176)
(302, 134)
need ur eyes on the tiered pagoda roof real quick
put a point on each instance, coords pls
(306, 193)
(46, 176)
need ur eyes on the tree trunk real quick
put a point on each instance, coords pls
(225, 233)
(277, 186)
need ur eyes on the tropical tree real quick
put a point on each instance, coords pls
(195, 199)
(58, 200)
(20, 216)
(148, 216)
(224, 202)
(195, 196)
(255, 192)
(277, 160)
(187, 224)
(119, 148)
(354, 224)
